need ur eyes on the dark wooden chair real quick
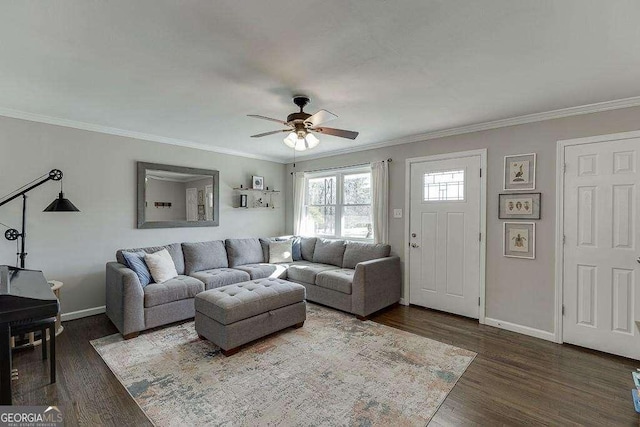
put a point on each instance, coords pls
(42, 326)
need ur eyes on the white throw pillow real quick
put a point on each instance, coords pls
(161, 266)
(280, 252)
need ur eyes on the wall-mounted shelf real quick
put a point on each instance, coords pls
(257, 199)
(253, 190)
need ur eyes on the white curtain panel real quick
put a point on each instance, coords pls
(380, 201)
(298, 203)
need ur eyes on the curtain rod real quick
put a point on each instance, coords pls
(389, 160)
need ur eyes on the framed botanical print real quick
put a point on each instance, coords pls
(520, 172)
(519, 206)
(519, 240)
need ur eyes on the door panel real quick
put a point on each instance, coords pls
(445, 218)
(601, 216)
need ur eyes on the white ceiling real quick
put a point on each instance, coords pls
(192, 70)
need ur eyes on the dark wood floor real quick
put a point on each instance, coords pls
(514, 380)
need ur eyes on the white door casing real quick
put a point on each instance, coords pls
(601, 229)
(208, 205)
(192, 204)
(445, 257)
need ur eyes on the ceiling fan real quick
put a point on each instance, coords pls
(301, 124)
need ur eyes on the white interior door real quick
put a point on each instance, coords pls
(444, 270)
(192, 204)
(208, 207)
(601, 226)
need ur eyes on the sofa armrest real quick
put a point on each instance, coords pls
(125, 298)
(376, 285)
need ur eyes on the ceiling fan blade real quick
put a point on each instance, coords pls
(260, 135)
(256, 116)
(320, 117)
(337, 132)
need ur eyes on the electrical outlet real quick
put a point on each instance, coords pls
(397, 213)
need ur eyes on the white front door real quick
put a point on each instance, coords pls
(192, 204)
(445, 235)
(602, 233)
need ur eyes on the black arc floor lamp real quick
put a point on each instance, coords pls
(58, 205)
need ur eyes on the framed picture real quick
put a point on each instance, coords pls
(519, 240)
(520, 172)
(257, 182)
(243, 200)
(519, 206)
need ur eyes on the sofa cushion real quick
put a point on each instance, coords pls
(174, 249)
(305, 271)
(135, 261)
(337, 280)
(307, 245)
(161, 266)
(280, 252)
(262, 270)
(329, 252)
(204, 256)
(179, 288)
(359, 252)
(244, 251)
(216, 277)
(233, 303)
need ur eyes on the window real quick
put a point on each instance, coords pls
(338, 204)
(448, 185)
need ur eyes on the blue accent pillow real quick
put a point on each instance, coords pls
(135, 261)
(296, 252)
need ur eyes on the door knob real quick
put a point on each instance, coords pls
(413, 245)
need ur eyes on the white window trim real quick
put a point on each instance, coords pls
(339, 174)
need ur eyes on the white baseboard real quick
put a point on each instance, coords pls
(83, 313)
(403, 302)
(525, 330)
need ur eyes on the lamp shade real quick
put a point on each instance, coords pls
(61, 205)
(312, 141)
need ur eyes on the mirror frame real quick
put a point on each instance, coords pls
(142, 173)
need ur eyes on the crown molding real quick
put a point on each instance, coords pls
(477, 127)
(23, 115)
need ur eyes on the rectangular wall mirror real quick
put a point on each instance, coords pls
(176, 196)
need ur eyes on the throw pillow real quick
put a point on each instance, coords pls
(280, 252)
(296, 250)
(135, 261)
(161, 266)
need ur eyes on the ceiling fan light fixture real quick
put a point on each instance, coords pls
(291, 140)
(311, 140)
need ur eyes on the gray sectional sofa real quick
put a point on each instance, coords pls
(358, 278)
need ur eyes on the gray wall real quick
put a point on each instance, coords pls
(529, 299)
(161, 190)
(100, 179)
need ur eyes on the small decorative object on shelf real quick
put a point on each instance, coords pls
(257, 182)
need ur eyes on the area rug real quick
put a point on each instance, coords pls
(336, 370)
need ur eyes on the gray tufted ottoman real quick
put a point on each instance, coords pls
(233, 315)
